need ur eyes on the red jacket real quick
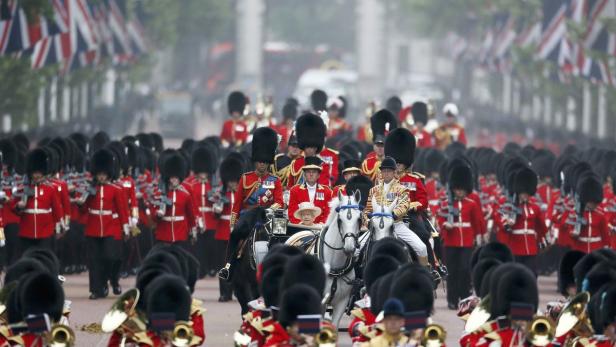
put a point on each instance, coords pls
(321, 199)
(223, 220)
(594, 235)
(204, 213)
(178, 218)
(331, 157)
(465, 226)
(105, 209)
(363, 318)
(371, 167)
(417, 191)
(65, 198)
(424, 138)
(296, 173)
(256, 191)
(8, 215)
(526, 232)
(42, 212)
(234, 132)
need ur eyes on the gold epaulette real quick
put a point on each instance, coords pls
(143, 338)
(244, 184)
(258, 323)
(358, 313)
(292, 171)
(333, 150)
(418, 175)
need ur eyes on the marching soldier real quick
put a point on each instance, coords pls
(10, 219)
(351, 168)
(310, 131)
(235, 131)
(256, 188)
(175, 212)
(384, 193)
(524, 228)
(337, 124)
(381, 124)
(37, 204)
(104, 203)
(393, 323)
(310, 191)
(419, 111)
(204, 167)
(285, 129)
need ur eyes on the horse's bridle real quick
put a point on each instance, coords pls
(382, 215)
(349, 215)
(349, 263)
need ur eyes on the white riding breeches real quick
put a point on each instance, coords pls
(408, 236)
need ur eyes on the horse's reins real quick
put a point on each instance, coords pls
(322, 243)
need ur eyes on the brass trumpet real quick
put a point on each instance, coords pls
(574, 317)
(541, 331)
(61, 336)
(434, 335)
(182, 334)
(328, 336)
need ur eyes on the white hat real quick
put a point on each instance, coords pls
(450, 108)
(306, 206)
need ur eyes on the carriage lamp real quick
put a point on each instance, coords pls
(279, 223)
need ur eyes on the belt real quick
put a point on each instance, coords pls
(173, 218)
(434, 202)
(101, 212)
(226, 217)
(461, 225)
(205, 209)
(37, 211)
(523, 232)
(590, 239)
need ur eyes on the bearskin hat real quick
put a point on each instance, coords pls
(289, 111)
(40, 293)
(98, 141)
(480, 270)
(103, 161)
(119, 150)
(565, 270)
(145, 141)
(45, 257)
(168, 294)
(392, 247)
(305, 269)
(583, 266)
(496, 250)
(415, 292)
(433, 160)
(287, 250)
(512, 283)
(419, 110)
(590, 189)
(21, 268)
(203, 160)
(37, 161)
(160, 257)
(525, 181)
(607, 306)
(400, 144)
(21, 141)
(361, 183)
(236, 102)
(600, 274)
(157, 141)
(8, 150)
(381, 292)
(175, 252)
(382, 123)
(461, 177)
(270, 285)
(379, 266)
(543, 163)
(231, 169)
(264, 144)
(173, 166)
(81, 140)
(318, 100)
(394, 105)
(310, 131)
(299, 299)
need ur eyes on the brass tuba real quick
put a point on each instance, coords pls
(123, 316)
(541, 331)
(434, 335)
(574, 317)
(479, 316)
(182, 334)
(61, 336)
(327, 336)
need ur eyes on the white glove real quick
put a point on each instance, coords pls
(160, 213)
(126, 229)
(133, 221)
(201, 223)
(58, 228)
(193, 233)
(2, 243)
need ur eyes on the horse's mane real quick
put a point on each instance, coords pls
(333, 214)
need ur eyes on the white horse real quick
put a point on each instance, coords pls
(382, 220)
(336, 248)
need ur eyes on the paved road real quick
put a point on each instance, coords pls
(221, 320)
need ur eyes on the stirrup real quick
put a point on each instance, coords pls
(442, 269)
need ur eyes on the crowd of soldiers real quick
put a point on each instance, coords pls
(488, 222)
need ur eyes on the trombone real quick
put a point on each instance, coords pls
(434, 335)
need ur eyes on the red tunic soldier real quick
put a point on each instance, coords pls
(381, 124)
(37, 204)
(419, 111)
(235, 131)
(174, 213)
(257, 188)
(351, 168)
(105, 203)
(10, 219)
(310, 191)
